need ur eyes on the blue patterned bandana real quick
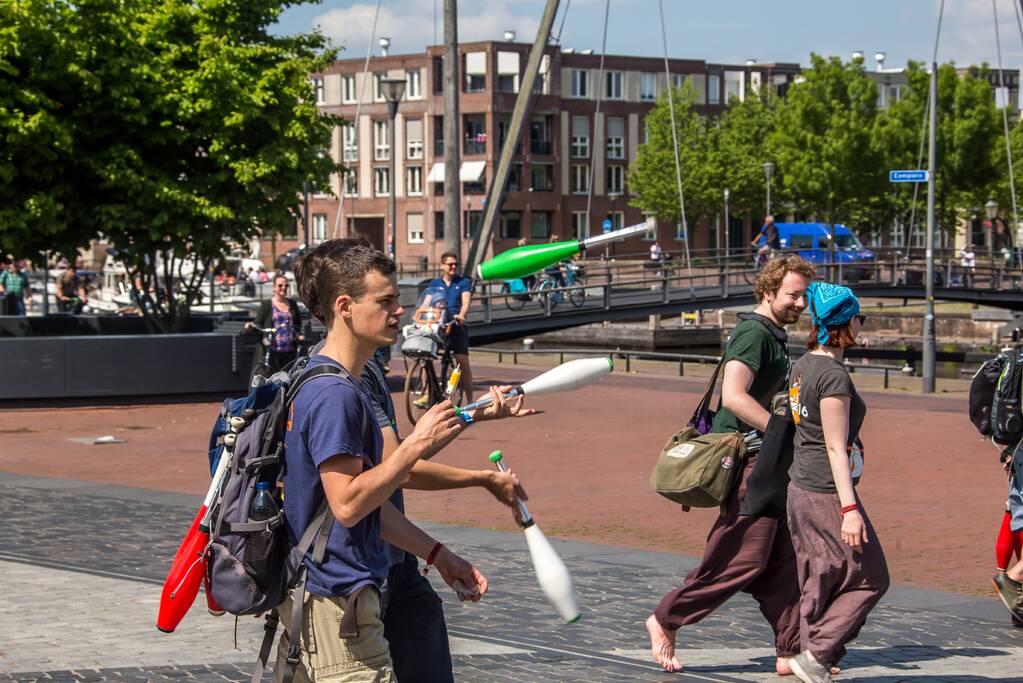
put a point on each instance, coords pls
(831, 305)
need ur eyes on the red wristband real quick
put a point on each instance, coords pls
(850, 508)
(431, 557)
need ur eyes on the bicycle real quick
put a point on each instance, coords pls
(760, 259)
(425, 387)
(267, 334)
(550, 279)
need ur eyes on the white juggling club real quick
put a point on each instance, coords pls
(574, 374)
(551, 572)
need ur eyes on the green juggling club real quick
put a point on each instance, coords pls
(524, 261)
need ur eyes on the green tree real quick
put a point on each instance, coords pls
(183, 128)
(652, 180)
(744, 132)
(828, 161)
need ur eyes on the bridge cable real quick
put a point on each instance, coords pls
(1005, 125)
(561, 27)
(593, 148)
(355, 132)
(674, 139)
(923, 133)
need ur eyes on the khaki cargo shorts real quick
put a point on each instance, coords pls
(326, 656)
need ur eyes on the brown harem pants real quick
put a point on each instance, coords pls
(839, 586)
(749, 554)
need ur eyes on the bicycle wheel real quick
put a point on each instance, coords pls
(420, 389)
(543, 293)
(750, 275)
(514, 303)
(577, 296)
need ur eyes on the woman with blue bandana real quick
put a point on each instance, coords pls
(841, 566)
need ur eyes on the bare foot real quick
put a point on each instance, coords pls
(662, 645)
(781, 665)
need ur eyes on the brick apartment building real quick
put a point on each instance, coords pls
(564, 135)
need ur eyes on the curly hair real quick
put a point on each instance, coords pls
(337, 267)
(770, 277)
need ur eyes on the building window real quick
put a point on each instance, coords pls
(382, 181)
(350, 143)
(581, 137)
(678, 81)
(578, 225)
(540, 136)
(438, 225)
(615, 138)
(617, 219)
(414, 221)
(542, 176)
(319, 227)
(511, 224)
(413, 88)
(734, 86)
(580, 82)
(651, 227)
(540, 224)
(414, 180)
(648, 87)
(644, 132)
(615, 179)
(348, 94)
(508, 71)
(319, 90)
(381, 141)
(471, 222)
(378, 91)
(542, 84)
(713, 89)
(475, 127)
(614, 85)
(438, 75)
(580, 178)
(514, 183)
(414, 138)
(475, 71)
(351, 182)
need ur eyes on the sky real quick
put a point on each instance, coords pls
(726, 31)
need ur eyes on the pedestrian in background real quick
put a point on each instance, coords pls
(841, 566)
(283, 315)
(968, 263)
(70, 291)
(14, 285)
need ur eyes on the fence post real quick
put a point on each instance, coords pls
(681, 368)
(561, 358)
(665, 292)
(895, 269)
(886, 378)
(515, 358)
(488, 307)
(607, 296)
(628, 362)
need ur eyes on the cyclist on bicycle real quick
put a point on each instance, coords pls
(456, 291)
(767, 240)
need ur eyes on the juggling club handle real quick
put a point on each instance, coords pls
(486, 401)
(498, 459)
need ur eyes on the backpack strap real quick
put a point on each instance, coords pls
(315, 536)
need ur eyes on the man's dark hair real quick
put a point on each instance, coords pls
(337, 267)
(448, 254)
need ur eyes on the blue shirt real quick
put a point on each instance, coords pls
(332, 416)
(452, 292)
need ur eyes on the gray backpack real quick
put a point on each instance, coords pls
(252, 565)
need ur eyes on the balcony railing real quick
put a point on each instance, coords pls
(438, 147)
(540, 146)
(473, 146)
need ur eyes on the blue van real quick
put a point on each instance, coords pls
(810, 240)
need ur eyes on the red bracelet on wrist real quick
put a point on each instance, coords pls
(850, 508)
(431, 557)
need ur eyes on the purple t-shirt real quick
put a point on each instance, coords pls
(332, 416)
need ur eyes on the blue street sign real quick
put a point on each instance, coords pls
(607, 225)
(907, 176)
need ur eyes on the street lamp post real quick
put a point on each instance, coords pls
(305, 213)
(392, 89)
(728, 194)
(768, 172)
(991, 211)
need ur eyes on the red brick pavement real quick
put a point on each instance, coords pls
(935, 492)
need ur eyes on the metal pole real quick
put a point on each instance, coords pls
(495, 193)
(305, 215)
(768, 195)
(392, 233)
(928, 341)
(727, 243)
(452, 134)
(46, 284)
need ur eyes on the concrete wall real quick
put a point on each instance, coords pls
(92, 366)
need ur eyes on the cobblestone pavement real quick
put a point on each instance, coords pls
(81, 566)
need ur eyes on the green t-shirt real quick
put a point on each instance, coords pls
(754, 345)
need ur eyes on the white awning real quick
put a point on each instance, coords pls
(472, 171)
(436, 173)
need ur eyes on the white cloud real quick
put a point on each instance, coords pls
(968, 34)
(410, 24)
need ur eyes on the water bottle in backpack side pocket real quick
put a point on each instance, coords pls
(263, 507)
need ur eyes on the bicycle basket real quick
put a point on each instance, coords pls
(420, 346)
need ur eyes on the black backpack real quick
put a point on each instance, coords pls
(995, 398)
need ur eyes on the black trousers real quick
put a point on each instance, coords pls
(414, 626)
